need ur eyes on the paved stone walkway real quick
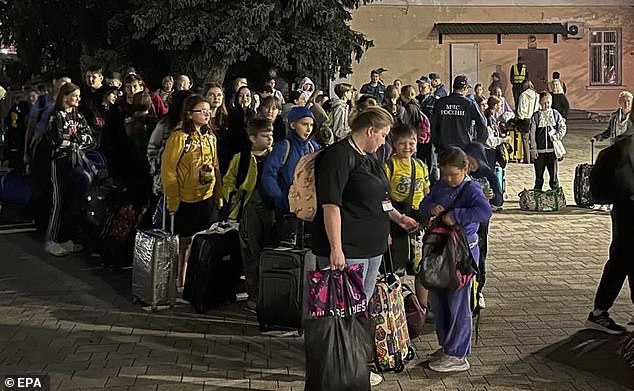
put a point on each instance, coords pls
(75, 322)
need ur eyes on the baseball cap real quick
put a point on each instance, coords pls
(299, 112)
(381, 70)
(434, 76)
(461, 81)
(423, 79)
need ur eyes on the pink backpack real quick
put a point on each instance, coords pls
(424, 131)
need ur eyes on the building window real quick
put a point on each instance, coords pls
(605, 57)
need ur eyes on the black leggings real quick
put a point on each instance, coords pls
(63, 222)
(546, 160)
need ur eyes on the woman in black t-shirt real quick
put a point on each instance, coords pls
(352, 223)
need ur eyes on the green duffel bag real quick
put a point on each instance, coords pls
(543, 201)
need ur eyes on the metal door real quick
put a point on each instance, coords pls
(536, 61)
(465, 60)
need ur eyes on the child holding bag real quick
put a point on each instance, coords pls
(457, 201)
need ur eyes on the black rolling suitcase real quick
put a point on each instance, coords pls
(281, 285)
(214, 267)
(583, 197)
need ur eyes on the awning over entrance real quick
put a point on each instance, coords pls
(499, 29)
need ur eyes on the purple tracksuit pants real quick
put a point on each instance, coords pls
(452, 316)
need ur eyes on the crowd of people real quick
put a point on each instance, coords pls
(396, 156)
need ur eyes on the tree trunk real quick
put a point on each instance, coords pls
(216, 74)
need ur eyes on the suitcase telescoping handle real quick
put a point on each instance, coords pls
(388, 267)
(592, 147)
(164, 222)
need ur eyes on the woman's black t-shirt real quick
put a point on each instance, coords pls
(358, 185)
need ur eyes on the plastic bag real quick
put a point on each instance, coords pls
(327, 292)
(337, 343)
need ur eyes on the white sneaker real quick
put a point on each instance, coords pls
(56, 249)
(481, 301)
(72, 246)
(375, 379)
(450, 364)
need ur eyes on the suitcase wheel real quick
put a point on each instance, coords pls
(411, 354)
(399, 367)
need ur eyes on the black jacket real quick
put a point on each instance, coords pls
(68, 132)
(451, 124)
(476, 151)
(426, 103)
(612, 177)
(561, 104)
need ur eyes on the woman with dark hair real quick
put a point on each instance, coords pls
(132, 84)
(137, 132)
(161, 133)
(494, 139)
(270, 108)
(190, 176)
(68, 132)
(235, 139)
(414, 117)
(392, 105)
(219, 117)
(478, 90)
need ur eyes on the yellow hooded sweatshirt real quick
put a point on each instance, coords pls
(181, 165)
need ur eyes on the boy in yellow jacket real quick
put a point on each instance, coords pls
(247, 204)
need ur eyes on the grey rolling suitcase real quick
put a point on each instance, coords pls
(155, 266)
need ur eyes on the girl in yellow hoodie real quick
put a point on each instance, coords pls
(191, 176)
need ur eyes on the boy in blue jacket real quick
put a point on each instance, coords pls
(452, 312)
(279, 168)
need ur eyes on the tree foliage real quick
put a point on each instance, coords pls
(54, 34)
(201, 37)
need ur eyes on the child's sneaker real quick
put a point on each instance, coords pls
(450, 364)
(72, 246)
(437, 355)
(604, 323)
(375, 379)
(56, 249)
(481, 303)
(251, 307)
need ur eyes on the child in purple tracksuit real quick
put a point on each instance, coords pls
(452, 312)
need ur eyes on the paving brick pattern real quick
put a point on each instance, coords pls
(75, 322)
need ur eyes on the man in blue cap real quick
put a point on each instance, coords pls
(453, 119)
(279, 168)
(440, 91)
